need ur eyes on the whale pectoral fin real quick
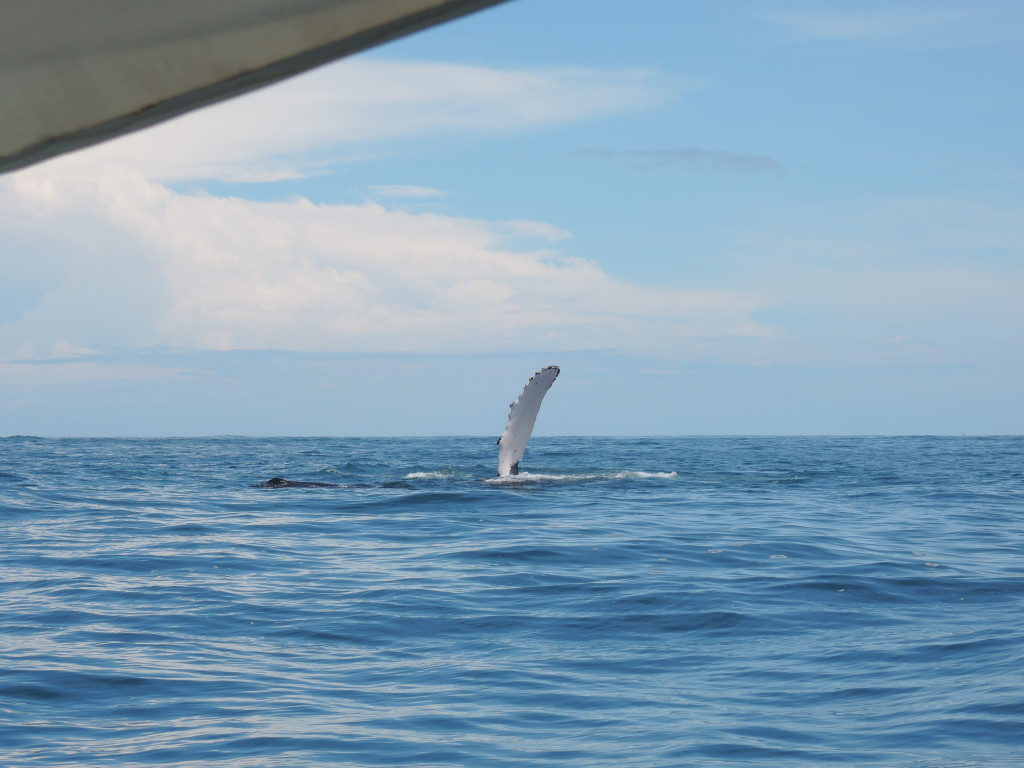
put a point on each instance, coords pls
(521, 418)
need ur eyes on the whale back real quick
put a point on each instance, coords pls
(522, 416)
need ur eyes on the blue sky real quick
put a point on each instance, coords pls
(718, 218)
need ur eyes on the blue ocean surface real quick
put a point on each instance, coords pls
(624, 602)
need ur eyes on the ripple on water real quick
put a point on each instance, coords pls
(643, 602)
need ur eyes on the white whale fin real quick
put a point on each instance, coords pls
(521, 418)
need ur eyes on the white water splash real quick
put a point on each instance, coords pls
(439, 474)
(528, 478)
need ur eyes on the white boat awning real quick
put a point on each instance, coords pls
(73, 73)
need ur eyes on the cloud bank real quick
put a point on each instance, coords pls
(133, 263)
(115, 258)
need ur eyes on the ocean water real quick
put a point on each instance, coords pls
(626, 602)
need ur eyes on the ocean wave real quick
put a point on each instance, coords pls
(527, 478)
(441, 474)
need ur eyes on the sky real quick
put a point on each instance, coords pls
(717, 218)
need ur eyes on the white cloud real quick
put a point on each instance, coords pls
(942, 25)
(128, 262)
(162, 267)
(293, 129)
(405, 190)
(861, 27)
(60, 350)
